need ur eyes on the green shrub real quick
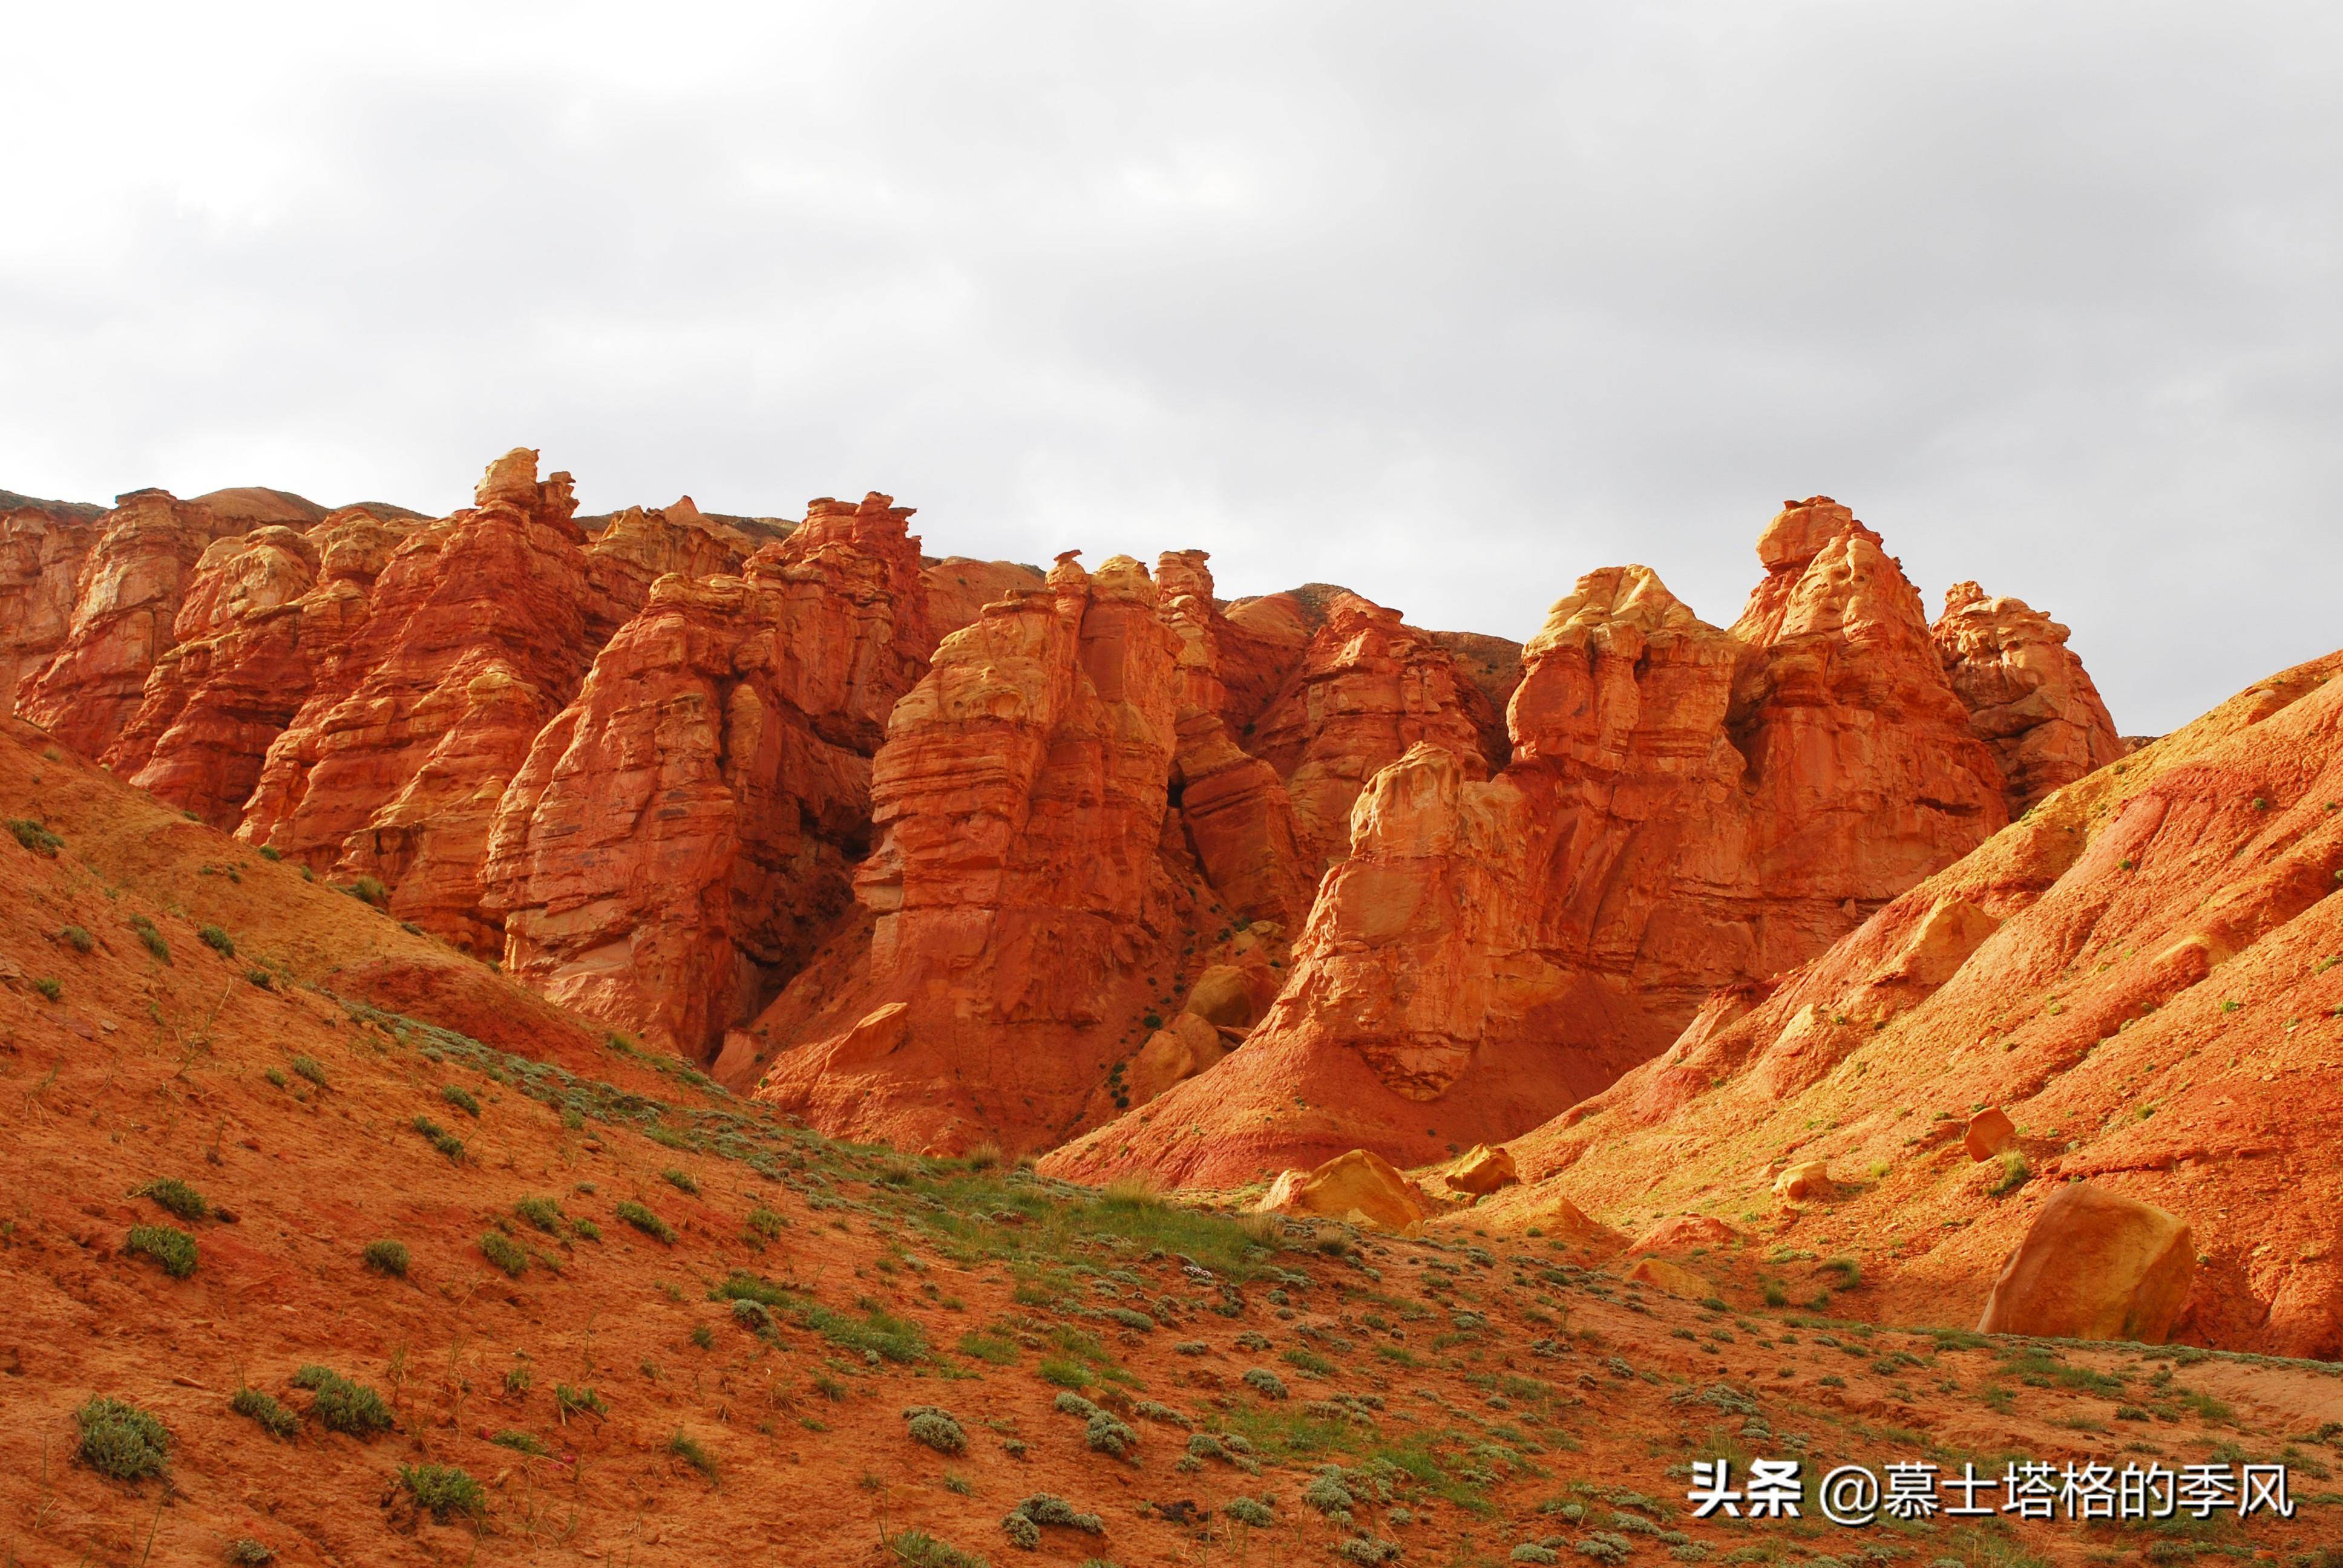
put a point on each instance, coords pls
(568, 1401)
(1248, 1510)
(342, 1404)
(307, 1067)
(35, 838)
(545, 1213)
(764, 1223)
(1023, 1522)
(1131, 1320)
(1109, 1435)
(499, 1249)
(263, 1411)
(681, 1180)
(689, 1449)
(917, 1549)
(585, 1230)
(936, 1428)
(122, 1441)
(270, 852)
(2015, 1173)
(752, 1316)
(219, 941)
(387, 1257)
(50, 990)
(440, 1490)
(1265, 1383)
(80, 940)
(997, 1349)
(643, 1220)
(243, 1552)
(369, 890)
(151, 937)
(1310, 1362)
(522, 1442)
(174, 1195)
(167, 1245)
(442, 1140)
(461, 1098)
(703, 1336)
(275, 1077)
(260, 978)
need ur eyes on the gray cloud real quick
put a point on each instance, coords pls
(1450, 303)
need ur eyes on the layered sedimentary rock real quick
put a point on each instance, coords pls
(124, 607)
(1017, 892)
(681, 834)
(44, 546)
(478, 632)
(265, 612)
(2138, 980)
(1370, 686)
(1686, 808)
(2028, 696)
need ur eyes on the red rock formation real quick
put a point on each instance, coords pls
(2139, 976)
(478, 632)
(42, 548)
(681, 834)
(264, 613)
(1686, 808)
(1016, 889)
(124, 609)
(959, 588)
(1370, 686)
(2028, 696)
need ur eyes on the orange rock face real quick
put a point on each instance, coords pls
(265, 613)
(42, 548)
(2028, 696)
(1016, 894)
(1685, 808)
(476, 633)
(680, 836)
(125, 608)
(2137, 976)
(1369, 688)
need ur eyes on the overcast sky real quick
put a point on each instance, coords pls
(1447, 303)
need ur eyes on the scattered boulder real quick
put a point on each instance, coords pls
(1668, 1277)
(1484, 1169)
(1180, 1049)
(1229, 996)
(2094, 1265)
(1990, 1132)
(1806, 1178)
(1360, 1186)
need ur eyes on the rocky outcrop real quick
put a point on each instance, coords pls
(44, 547)
(266, 611)
(1360, 1186)
(959, 588)
(1686, 808)
(125, 608)
(681, 834)
(2094, 1265)
(2136, 978)
(476, 634)
(2028, 696)
(1016, 890)
(1370, 687)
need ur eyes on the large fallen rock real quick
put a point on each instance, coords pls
(1482, 1170)
(2095, 1265)
(1360, 1186)
(1806, 1178)
(1988, 1132)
